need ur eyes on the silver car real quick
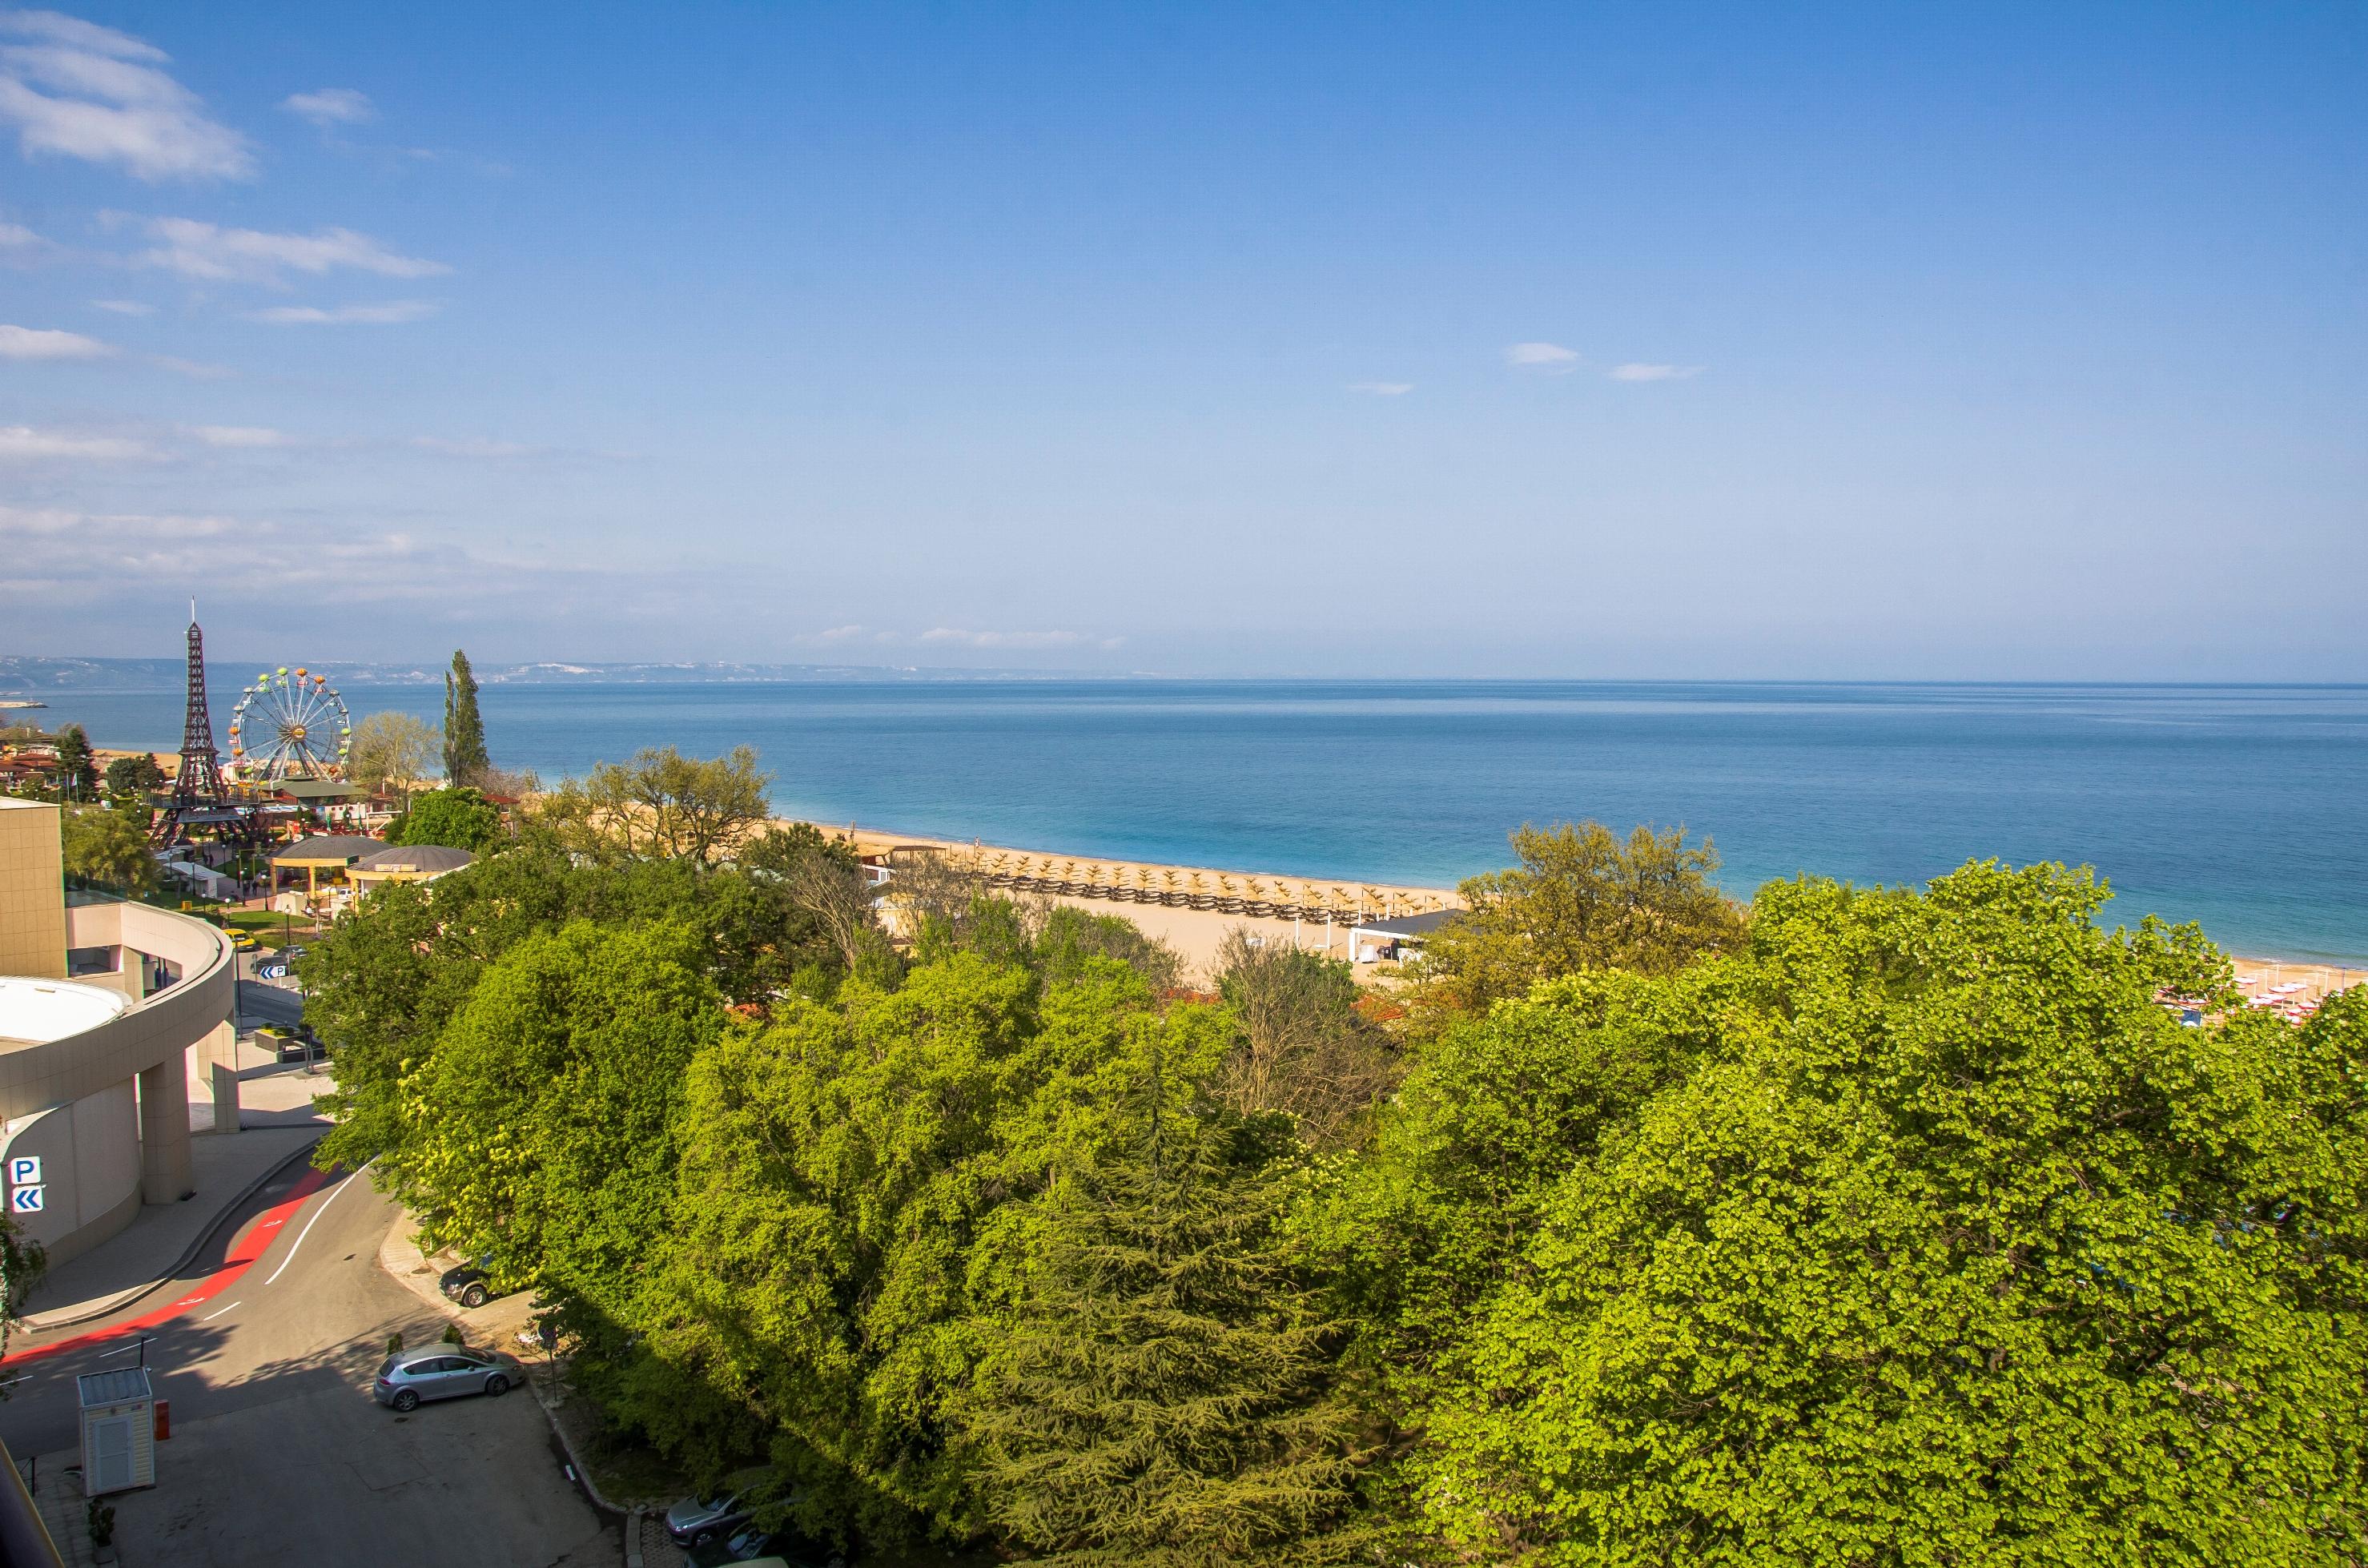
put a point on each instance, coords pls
(443, 1373)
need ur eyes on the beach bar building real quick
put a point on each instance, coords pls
(1377, 941)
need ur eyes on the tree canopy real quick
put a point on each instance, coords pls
(1893, 1227)
(1916, 1232)
(109, 845)
(132, 776)
(392, 751)
(455, 818)
(661, 803)
(1580, 899)
(465, 759)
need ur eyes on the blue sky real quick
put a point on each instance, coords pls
(1894, 341)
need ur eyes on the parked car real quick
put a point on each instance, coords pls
(754, 1544)
(701, 1521)
(410, 1377)
(471, 1284)
(241, 940)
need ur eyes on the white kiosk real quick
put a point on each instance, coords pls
(119, 1431)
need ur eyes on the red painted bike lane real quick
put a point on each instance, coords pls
(248, 1247)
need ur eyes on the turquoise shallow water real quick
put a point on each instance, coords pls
(2243, 807)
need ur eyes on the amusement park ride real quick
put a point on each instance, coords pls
(289, 726)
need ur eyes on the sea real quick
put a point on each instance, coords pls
(2242, 807)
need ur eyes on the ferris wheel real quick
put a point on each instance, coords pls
(290, 724)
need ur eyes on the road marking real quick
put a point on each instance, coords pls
(307, 1231)
(244, 1249)
(211, 1317)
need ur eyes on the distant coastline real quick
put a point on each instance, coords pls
(2195, 802)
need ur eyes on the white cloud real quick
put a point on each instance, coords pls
(332, 106)
(22, 443)
(1012, 639)
(47, 343)
(311, 315)
(83, 91)
(241, 436)
(125, 307)
(205, 250)
(1542, 356)
(471, 448)
(88, 38)
(1382, 389)
(837, 634)
(20, 246)
(1652, 372)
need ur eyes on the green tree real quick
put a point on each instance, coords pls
(543, 1125)
(464, 729)
(382, 982)
(77, 766)
(134, 774)
(1579, 900)
(22, 1264)
(1301, 1048)
(455, 818)
(109, 846)
(661, 803)
(392, 751)
(1163, 1389)
(1916, 1233)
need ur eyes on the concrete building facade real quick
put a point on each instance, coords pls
(93, 1071)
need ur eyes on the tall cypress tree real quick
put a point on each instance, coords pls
(1165, 1393)
(464, 732)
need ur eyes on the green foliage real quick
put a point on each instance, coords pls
(1303, 1049)
(464, 729)
(392, 750)
(1906, 1228)
(660, 803)
(134, 775)
(22, 1264)
(1580, 900)
(1917, 1231)
(77, 766)
(1161, 1387)
(454, 818)
(384, 980)
(109, 846)
(540, 1129)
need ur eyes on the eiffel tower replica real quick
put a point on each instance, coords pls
(199, 796)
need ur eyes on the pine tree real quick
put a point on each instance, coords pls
(77, 768)
(464, 732)
(1164, 1394)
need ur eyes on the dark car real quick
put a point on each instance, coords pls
(471, 1284)
(702, 1521)
(754, 1543)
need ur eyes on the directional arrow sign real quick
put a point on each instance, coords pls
(25, 1200)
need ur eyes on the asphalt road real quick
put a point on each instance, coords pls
(261, 1002)
(279, 1454)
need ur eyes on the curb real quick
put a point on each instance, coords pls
(125, 1298)
(583, 1471)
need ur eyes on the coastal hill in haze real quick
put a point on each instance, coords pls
(24, 675)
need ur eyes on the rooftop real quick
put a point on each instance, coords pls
(35, 1012)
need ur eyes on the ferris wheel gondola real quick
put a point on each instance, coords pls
(290, 724)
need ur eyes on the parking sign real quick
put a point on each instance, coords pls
(24, 1170)
(25, 1200)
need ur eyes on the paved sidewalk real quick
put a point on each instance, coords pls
(223, 1170)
